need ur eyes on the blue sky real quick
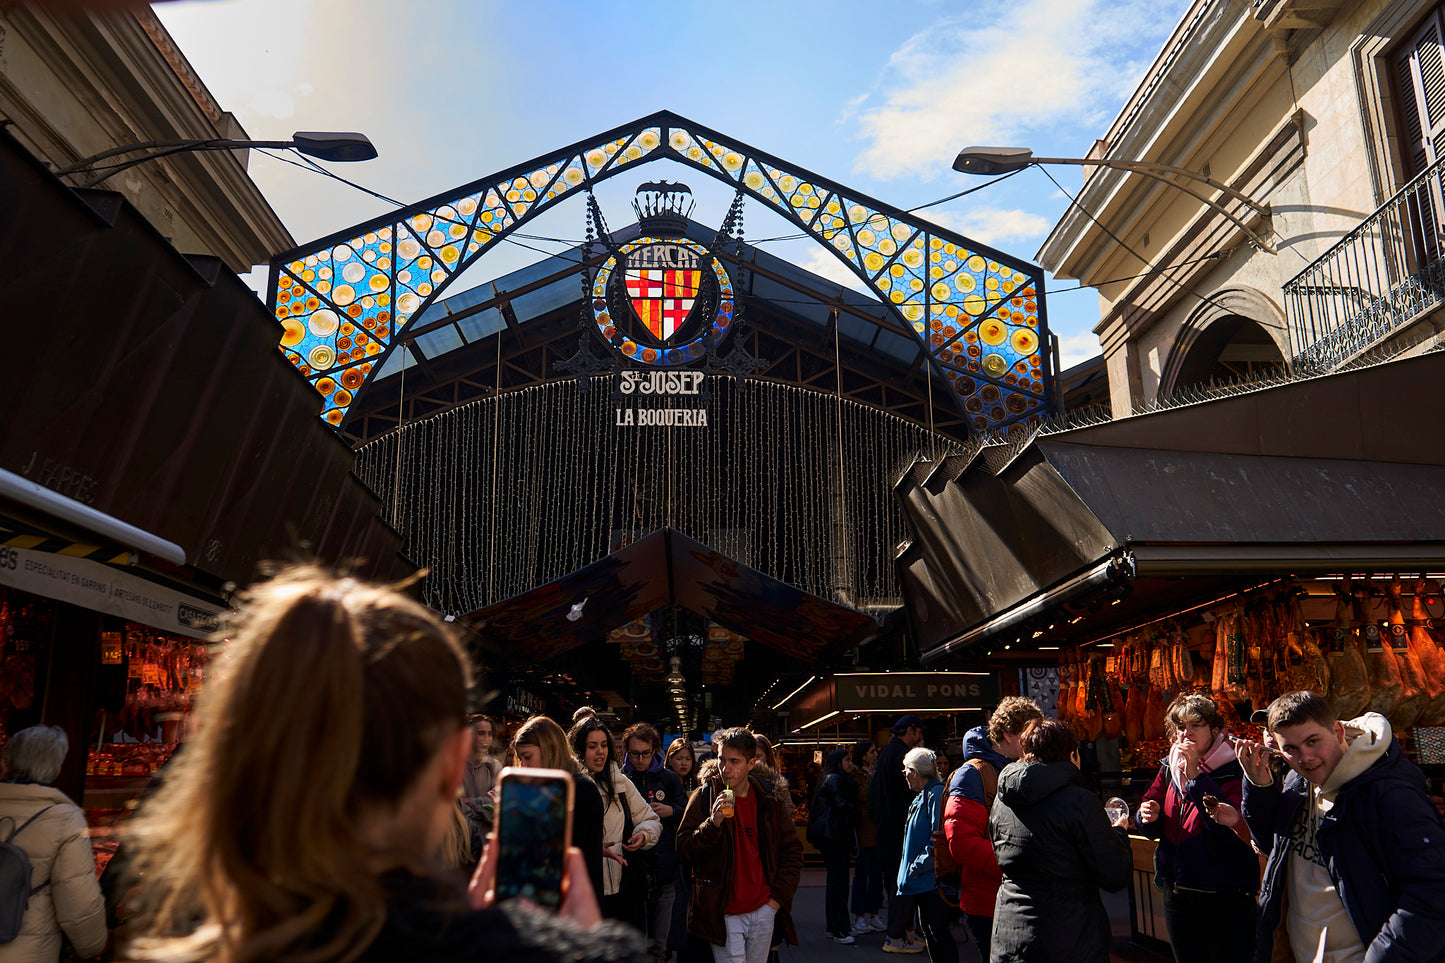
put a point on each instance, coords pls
(877, 95)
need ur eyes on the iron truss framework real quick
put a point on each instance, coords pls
(344, 301)
(790, 351)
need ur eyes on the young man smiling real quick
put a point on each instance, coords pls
(745, 863)
(1357, 851)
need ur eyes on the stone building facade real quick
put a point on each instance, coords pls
(75, 84)
(1325, 112)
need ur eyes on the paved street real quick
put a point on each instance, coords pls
(815, 947)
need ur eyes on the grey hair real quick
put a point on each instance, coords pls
(922, 761)
(36, 753)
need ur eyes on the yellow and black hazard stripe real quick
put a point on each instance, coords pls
(15, 534)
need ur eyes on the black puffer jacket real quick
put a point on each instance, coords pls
(1056, 850)
(429, 921)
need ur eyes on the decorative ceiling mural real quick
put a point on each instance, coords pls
(344, 302)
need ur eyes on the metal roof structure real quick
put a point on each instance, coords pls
(344, 301)
(786, 323)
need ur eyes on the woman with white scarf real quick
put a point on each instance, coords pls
(1208, 873)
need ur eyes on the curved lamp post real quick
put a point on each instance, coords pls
(1005, 160)
(326, 145)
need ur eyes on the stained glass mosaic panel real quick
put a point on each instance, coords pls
(345, 302)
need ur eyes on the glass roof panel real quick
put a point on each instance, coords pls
(440, 341)
(483, 325)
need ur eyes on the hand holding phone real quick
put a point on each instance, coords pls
(533, 834)
(579, 900)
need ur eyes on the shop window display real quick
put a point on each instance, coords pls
(148, 680)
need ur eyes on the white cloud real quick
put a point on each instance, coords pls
(991, 226)
(825, 264)
(1076, 349)
(1012, 67)
(271, 103)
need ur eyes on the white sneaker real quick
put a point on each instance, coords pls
(845, 939)
(877, 925)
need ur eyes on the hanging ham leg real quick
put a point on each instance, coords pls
(1349, 679)
(1386, 686)
(1416, 695)
(1431, 658)
(1255, 632)
(1154, 708)
(1220, 664)
(1309, 670)
(1134, 714)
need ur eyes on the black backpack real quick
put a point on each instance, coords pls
(15, 889)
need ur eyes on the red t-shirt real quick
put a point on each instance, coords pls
(750, 887)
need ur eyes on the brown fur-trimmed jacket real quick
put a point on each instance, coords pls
(708, 850)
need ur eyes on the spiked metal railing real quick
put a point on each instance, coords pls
(1377, 278)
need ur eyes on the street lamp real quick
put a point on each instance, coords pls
(323, 144)
(1006, 160)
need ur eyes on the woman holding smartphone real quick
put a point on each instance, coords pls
(301, 821)
(628, 823)
(541, 744)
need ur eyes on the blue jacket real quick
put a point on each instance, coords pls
(966, 782)
(1385, 850)
(915, 870)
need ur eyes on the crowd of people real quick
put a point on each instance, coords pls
(335, 785)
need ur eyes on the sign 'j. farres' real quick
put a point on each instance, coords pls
(662, 301)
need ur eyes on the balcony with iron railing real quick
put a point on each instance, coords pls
(1374, 282)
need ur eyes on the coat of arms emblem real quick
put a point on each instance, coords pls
(662, 298)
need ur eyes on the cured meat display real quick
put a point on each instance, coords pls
(1423, 645)
(1386, 686)
(1247, 650)
(1349, 690)
(1416, 695)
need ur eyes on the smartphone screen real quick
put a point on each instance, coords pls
(534, 829)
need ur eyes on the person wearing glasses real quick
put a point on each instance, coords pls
(662, 790)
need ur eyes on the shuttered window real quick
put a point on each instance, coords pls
(1420, 86)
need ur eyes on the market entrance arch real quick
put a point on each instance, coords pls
(345, 302)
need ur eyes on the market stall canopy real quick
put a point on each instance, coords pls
(1308, 477)
(667, 567)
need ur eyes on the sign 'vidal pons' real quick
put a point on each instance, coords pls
(662, 301)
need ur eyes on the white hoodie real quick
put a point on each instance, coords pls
(1320, 930)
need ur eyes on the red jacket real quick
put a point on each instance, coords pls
(965, 826)
(965, 823)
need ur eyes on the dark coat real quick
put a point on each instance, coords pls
(890, 796)
(587, 827)
(708, 850)
(1056, 850)
(661, 785)
(835, 812)
(429, 922)
(1194, 851)
(1385, 848)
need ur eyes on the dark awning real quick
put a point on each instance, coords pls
(147, 385)
(1323, 475)
(667, 567)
